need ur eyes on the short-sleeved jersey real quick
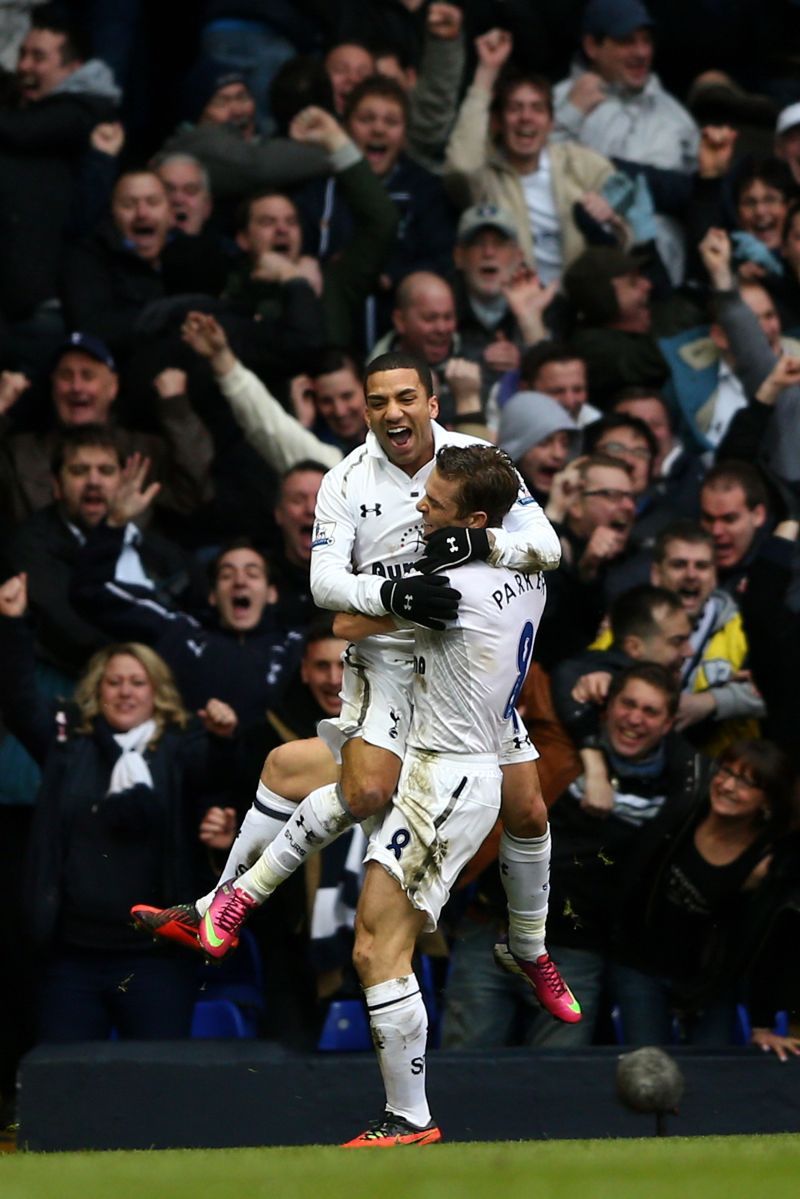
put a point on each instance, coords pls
(467, 678)
(367, 529)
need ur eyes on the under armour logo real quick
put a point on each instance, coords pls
(451, 541)
(520, 742)
(407, 603)
(365, 510)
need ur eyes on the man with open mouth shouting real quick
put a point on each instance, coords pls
(367, 537)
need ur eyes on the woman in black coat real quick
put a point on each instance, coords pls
(698, 903)
(116, 821)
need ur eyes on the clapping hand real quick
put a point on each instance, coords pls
(132, 498)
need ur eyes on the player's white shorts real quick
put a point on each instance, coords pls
(443, 810)
(376, 705)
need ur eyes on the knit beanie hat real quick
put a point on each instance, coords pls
(528, 418)
(202, 82)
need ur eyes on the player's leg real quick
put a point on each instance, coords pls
(524, 859)
(387, 927)
(443, 809)
(368, 737)
(369, 776)
(289, 773)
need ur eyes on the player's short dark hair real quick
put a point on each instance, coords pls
(333, 359)
(400, 360)
(619, 420)
(633, 614)
(651, 673)
(486, 476)
(404, 53)
(542, 354)
(772, 172)
(376, 85)
(637, 391)
(513, 77)
(76, 437)
(144, 169)
(236, 543)
(680, 530)
(55, 18)
(241, 216)
(320, 629)
(599, 458)
(305, 464)
(733, 473)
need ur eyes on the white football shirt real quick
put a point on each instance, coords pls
(367, 529)
(467, 679)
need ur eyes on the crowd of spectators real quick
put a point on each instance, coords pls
(204, 240)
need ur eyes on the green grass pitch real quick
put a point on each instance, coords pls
(707, 1167)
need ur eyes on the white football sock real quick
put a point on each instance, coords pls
(399, 1025)
(318, 820)
(261, 825)
(525, 871)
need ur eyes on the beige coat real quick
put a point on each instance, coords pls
(475, 172)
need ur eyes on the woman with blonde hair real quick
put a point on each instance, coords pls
(116, 819)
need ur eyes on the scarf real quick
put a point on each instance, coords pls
(130, 767)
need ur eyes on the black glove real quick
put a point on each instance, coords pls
(454, 547)
(429, 601)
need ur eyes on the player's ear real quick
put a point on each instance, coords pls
(633, 646)
(477, 520)
(433, 406)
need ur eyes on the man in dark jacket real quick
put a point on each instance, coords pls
(269, 235)
(84, 386)
(651, 768)
(239, 653)
(45, 153)
(87, 470)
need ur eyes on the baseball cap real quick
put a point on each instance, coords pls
(615, 18)
(86, 343)
(486, 216)
(788, 118)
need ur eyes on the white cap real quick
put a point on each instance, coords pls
(788, 118)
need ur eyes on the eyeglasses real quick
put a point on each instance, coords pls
(743, 781)
(614, 494)
(616, 447)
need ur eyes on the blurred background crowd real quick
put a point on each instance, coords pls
(585, 218)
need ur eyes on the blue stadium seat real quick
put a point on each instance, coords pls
(744, 1025)
(238, 980)
(218, 1018)
(346, 1027)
